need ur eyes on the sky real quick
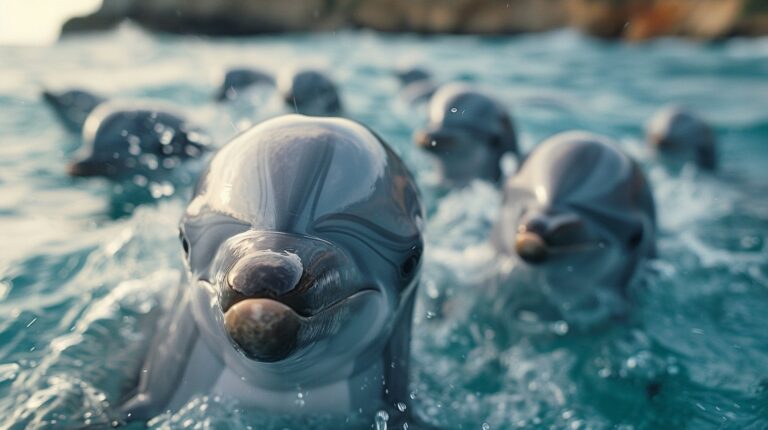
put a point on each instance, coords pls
(38, 22)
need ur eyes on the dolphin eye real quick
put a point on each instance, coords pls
(411, 263)
(184, 243)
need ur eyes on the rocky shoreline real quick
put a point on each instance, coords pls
(620, 19)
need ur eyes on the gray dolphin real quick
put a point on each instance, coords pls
(468, 132)
(681, 136)
(239, 79)
(310, 92)
(410, 75)
(580, 209)
(303, 245)
(121, 139)
(417, 85)
(72, 107)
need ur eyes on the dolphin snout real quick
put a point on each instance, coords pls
(531, 247)
(265, 330)
(542, 235)
(87, 168)
(433, 140)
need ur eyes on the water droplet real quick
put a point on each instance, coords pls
(631, 362)
(191, 151)
(486, 426)
(401, 406)
(150, 161)
(454, 110)
(560, 328)
(134, 149)
(381, 420)
(166, 137)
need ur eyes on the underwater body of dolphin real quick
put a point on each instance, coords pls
(303, 242)
(310, 92)
(680, 136)
(580, 210)
(239, 79)
(121, 139)
(72, 107)
(468, 132)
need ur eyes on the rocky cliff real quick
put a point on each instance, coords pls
(629, 19)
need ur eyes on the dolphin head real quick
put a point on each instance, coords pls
(410, 75)
(123, 139)
(682, 137)
(468, 132)
(310, 92)
(579, 210)
(238, 79)
(305, 237)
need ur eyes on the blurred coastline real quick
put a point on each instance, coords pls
(615, 19)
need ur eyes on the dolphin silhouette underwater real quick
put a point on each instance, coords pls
(303, 247)
(468, 133)
(580, 213)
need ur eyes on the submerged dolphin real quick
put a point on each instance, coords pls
(72, 107)
(680, 136)
(310, 92)
(303, 243)
(418, 92)
(468, 132)
(417, 85)
(239, 79)
(410, 75)
(580, 211)
(122, 139)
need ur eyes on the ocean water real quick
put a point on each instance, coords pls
(83, 277)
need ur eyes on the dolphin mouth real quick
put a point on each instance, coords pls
(534, 249)
(435, 140)
(87, 168)
(269, 330)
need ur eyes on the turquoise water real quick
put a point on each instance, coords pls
(80, 287)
